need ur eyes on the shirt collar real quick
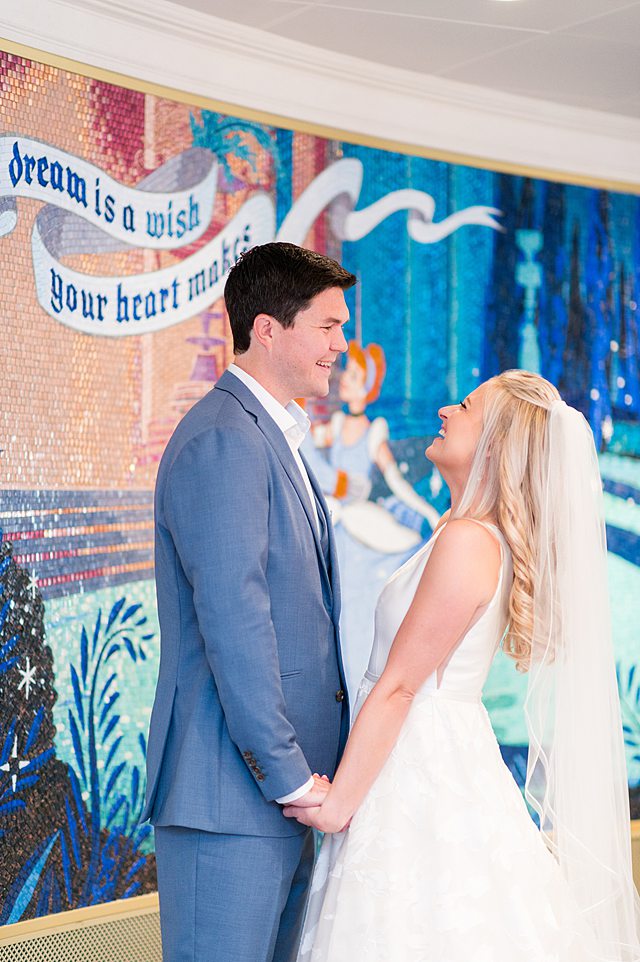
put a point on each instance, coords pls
(292, 420)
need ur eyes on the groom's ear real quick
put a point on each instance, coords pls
(263, 330)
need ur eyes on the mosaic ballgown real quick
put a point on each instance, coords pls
(371, 545)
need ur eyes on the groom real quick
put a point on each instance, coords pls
(251, 695)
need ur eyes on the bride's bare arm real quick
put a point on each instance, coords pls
(460, 578)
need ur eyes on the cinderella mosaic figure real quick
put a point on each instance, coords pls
(430, 854)
(371, 542)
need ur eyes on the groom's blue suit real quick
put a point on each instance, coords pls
(251, 695)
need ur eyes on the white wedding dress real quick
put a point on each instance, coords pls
(442, 862)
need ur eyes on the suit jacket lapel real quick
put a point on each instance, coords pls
(233, 385)
(333, 557)
(335, 573)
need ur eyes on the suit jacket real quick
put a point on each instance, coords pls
(251, 695)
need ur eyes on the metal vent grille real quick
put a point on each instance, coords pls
(133, 938)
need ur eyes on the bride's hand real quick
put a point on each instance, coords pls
(318, 817)
(316, 795)
(309, 815)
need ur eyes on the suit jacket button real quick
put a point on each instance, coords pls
(340, 695)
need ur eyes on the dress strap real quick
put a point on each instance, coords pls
(436, 531)
(492, 528)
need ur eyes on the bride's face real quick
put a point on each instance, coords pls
(453, 449)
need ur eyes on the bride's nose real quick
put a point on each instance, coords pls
(443, 412)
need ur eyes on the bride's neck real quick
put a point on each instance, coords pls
(456, 490)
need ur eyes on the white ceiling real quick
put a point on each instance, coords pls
(584, 53)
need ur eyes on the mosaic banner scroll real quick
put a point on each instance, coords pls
(121, 214)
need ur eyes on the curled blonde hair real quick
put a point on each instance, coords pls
(506, 481)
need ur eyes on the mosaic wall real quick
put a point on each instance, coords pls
(120, 214)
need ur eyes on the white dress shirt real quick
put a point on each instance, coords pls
(294, 424)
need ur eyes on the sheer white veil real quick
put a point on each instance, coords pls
(576, 778)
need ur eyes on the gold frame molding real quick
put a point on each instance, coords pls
(319, 130)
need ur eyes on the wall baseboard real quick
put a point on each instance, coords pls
(128, 929)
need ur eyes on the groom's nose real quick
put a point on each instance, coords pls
(338, 341)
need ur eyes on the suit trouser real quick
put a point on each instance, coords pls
(231, 898)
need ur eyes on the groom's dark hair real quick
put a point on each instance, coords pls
(280, 280)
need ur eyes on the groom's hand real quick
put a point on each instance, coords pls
(316, 795)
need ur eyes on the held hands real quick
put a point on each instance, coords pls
(310, 809)
(315, 796)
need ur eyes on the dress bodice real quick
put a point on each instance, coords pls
(468, 667)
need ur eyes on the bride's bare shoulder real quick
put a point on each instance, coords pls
(468, 532)
(466, 542)
(465, 554)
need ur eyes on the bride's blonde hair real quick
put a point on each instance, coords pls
(506, 480)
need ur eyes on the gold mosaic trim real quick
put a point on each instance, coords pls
(319, 130)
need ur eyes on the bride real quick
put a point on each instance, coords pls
(435, 857)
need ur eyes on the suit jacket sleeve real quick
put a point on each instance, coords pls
(216, 508)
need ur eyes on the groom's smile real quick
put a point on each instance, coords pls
(306, 352)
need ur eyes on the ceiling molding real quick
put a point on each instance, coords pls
(162, 43)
